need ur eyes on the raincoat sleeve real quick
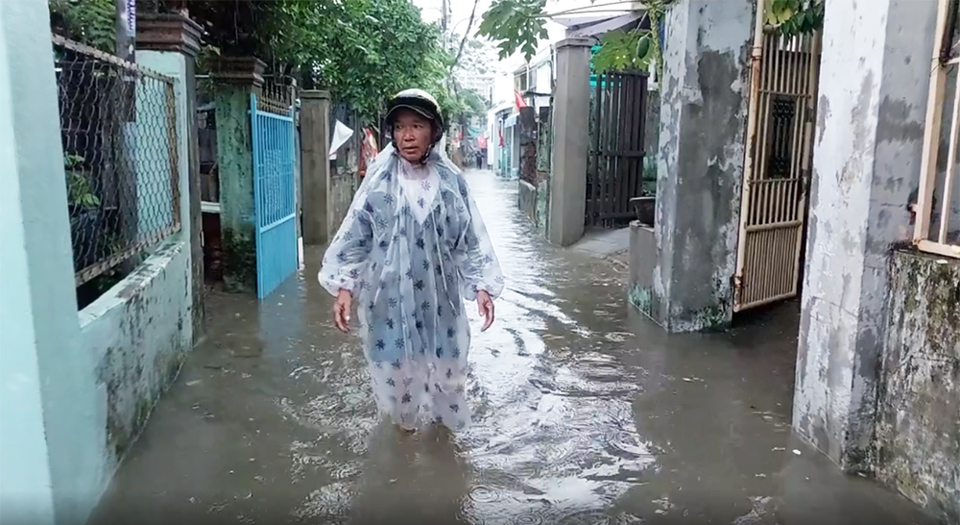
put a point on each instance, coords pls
(345, 260)
(479, 268)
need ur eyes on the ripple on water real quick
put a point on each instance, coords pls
(625, 444)
(594, 516)
(530, 517)
(331, 503)
(481, 494)
(581, 517)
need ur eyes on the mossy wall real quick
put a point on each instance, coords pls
(917, 444)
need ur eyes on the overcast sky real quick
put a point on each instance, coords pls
(459, 12)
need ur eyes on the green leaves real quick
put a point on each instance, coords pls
(623, 50)
(515, 25)
(795, 17)
(79, 191)
(363, 51)
(518, 25)
(91, 22)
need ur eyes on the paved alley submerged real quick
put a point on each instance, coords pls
(583, 414)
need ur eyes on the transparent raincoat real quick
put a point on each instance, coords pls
(412, 249)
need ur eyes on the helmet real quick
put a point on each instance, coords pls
(420, 101)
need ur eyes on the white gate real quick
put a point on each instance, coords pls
(777, 171)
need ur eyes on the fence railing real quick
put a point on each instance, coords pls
(119, 134)
(937, 226)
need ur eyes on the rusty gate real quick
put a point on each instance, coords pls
(615, 163)
(777, 170)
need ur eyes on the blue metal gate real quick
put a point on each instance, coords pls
(274, 192)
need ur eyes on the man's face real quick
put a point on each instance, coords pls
(412, 133)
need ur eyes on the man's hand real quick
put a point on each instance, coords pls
(342, 309)
(485, 303)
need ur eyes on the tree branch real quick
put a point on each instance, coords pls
(466, 35)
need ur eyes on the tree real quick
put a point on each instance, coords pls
(794, 17)
(518, 25)
(362, 50)
(91, 22)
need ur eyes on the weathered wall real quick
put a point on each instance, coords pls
(643, 258)
(59, 470)
(571, 110)
(344, 170)
(315, 172)
(527, 200)
(704, 100)
(235, 159)
(866, 161)
(544, 175)
(527, 122)
(918, 431)
(651, 129)
(36, 236)
(137, 336)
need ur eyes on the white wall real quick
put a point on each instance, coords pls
(26, 491)
(71, 381)
(137, 334)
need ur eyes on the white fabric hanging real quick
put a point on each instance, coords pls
(412, 248)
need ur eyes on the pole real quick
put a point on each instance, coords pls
(126, 29)
(749, 164)
(443, 19)
(125, 143)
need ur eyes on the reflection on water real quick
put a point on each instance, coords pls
(583, 414)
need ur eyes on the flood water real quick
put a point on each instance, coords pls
(584, 413)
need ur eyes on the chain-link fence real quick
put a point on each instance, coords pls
(118, 127)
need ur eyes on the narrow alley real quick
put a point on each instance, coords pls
(583, 414)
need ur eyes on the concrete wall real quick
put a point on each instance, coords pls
(235, 158)
(527, 198)
(917, 440)
(651, 129)
(315, 167)
(91, 377)
(137, 336)
(571, 110)
(138, 333)
(26, 484)
(704, 98)
(866, 161)
(643, 258)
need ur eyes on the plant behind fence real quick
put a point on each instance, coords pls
(118, 128)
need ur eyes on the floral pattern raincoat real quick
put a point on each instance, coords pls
(412, 249)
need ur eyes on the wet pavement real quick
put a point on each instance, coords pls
(583, 413)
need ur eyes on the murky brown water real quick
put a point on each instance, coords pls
(584, 413)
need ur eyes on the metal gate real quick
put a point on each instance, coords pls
(615, 164)
(777, 171)
(274, 192)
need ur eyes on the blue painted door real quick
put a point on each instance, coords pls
(274, 191)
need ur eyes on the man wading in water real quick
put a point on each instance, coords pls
(410, 250)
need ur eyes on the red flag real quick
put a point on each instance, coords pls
(500, 132)
(520, 102)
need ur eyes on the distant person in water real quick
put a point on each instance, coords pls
(411, 249)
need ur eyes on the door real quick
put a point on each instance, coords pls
(618, 109)
(777, 172)
(274, 191)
